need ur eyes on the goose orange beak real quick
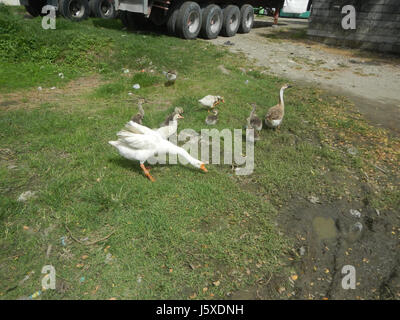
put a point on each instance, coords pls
(202, 167)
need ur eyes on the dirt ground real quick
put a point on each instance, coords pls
(372, 81)
(327, 236)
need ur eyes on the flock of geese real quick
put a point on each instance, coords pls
(140, 143)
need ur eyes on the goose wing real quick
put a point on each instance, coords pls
(138, 128)
(138, 141)
(166, 132)
(207, 100)
(275, 113)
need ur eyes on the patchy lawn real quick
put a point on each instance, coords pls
(107, 230)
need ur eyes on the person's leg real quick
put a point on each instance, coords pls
(276, 16)
(309, 5)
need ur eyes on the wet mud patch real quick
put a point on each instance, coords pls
(327, 237)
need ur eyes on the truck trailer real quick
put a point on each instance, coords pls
(189, 19)
(76, 10)
(185, 19)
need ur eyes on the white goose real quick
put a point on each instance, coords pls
(211, 101)
(171, 128)
(137, 142)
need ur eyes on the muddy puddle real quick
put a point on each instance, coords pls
(329, 237)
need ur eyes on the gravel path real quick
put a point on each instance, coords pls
(371, 81)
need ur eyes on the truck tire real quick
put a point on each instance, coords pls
(132, 20)
(158, 17)
(246, 18)
(104, 9)
(231, 22)
(188, 23)
(212, 21)
(35, 9)
(171, 22)
(172, 17)
(75, 10)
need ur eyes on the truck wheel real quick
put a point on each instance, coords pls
(158, 17)
(212, 21)
(75, 10)
(171, 22)
(172, 17)
(188, 23)
(123, 18)
(104, 9)
(35, 9)
(230, 24)
(132, 20)
(246, 18)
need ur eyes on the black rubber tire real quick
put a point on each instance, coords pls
(158, 17)
(65, 7)
(231, 22)
(32, 11)
(132, 20)
(104, 9)
(35, 9)
(183, 28)
(246, 18)
(91, 10)
(172, 17)
(210, 13)
(124, 19)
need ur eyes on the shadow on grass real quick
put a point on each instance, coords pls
(146, 28)
(114, 24)
(135, 165)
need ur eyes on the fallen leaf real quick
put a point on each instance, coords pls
(26, 228)
(294, 277)
(281, 290)
(84, 257)
(193, 296)
(205, 289)
(313, 199)
(216, 283)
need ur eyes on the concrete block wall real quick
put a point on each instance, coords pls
(377, 24)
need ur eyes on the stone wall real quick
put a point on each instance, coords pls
(377, 24)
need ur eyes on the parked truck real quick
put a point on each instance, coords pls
(186, 19)
(189, 19)
(75, 10)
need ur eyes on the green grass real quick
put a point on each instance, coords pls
(173, 237)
